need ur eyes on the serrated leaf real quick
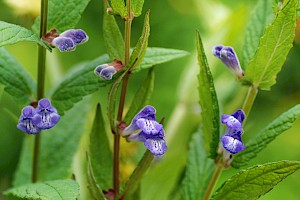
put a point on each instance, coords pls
(273, 48)
(16, 80)
(62, 14)
(141, 97)
(208, 102)
(113, 39)
(11, 34)
(155, 56)
(58, 189)
(140, 49)
(119, 8)
(262, 16)
(80, 82)
(57, 148)
(137, 7)
(256, 181)
(199, 170)
(99, 152)
(264, 137)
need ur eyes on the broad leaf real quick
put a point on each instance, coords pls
(57, 148)
(141, 97)
(208, 102)
(119, 8)
(273, 48)
(80, 82)
(62, 14)
(113, 38)
(263, 138)
(137, 7)
(16, 80)
(11, 34)
(140, 49)
(255, 181)
(260, 18)
(58, 189)
(155, 56)
(199, 170)
(100, 153)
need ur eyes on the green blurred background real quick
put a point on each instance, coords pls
(173, 25)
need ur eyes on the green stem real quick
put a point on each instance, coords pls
(213, 180)
(138, 173)
(40, 83)
(116, 164)
(252, 92)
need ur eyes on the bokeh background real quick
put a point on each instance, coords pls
(173, 25)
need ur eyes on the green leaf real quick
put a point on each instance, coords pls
(137, 7)
(16, 80)
(100, 153)
(11, 34)
(199, 170)
(140, 49)
(263, 138)
(255, 181)
(113, 39)
(57, 148)
(62, 14)
(208, 102)
(119, 8)
(155, 56)
(58, 189)
(260, 18)
(273, 48)
(141, 97)
(80, 82)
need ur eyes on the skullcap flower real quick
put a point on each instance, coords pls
(25, 122)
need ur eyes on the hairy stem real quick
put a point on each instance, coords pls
(116, 164)
(40, 83)
(252, 92)
(213, 180)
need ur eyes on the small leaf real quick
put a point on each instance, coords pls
(62, 14)
(58, 189)
(57, 149)
(137, 7)
(199, 170)
(260, 18)
(273, 48)
(16, 80)
(113, 39)
(208, 102)
(11, 34)
(155, 56)
(100, 153)
(139, 51)
(255, 181)
(119, 8)
(80, 82)
(263, 138)
(141, 97)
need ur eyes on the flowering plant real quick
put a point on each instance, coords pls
(93, 134)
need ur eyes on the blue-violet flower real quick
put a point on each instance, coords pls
(150, 131)
(107, 70)
(64, 44)
(25, 122)
(46, 115)
(228, 56)
(232, 140)
(77, 35)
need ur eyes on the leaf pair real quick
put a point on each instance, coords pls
(119, 8)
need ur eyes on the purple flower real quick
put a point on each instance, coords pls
(64, 44)
(25, 122)
(77, 35)
(227, 55)
(46, 115)
(232, 140)
(150, 131)
(105, 71)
